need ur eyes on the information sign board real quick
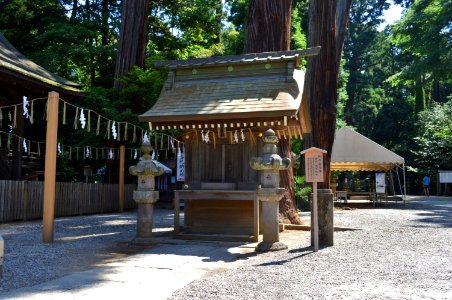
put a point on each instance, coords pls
(380, 183)
(314, 164)
(180, 170)
(445, 176)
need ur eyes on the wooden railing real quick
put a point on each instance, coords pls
(22, 200)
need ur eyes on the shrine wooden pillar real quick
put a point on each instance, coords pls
(50, 167)
(122, 155)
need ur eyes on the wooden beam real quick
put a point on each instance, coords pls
(122, 156)
(50, 167)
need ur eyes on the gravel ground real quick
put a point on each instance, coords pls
(398, 254)
(80, 243)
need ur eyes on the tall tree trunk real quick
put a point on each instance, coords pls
(352, 89)
(436, 96)
(74, 11)
(419, 104)
(92, 67)
(268, 26)
(132, 38)
(103, 57)
(218, 18)
(327, 23)
(268, 29)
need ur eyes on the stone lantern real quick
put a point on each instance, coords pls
(269, 192)
(145, 196)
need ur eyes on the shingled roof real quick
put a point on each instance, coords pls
(230, 91)
(240, 59)
(15, 64)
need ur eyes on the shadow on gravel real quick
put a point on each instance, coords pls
(304, 252)
(441, 216)
(432, 212)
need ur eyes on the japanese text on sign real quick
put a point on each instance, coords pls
(180, 166)
(314, 167)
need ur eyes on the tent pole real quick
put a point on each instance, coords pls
(393, 191)
(398, 179)
(404, 186)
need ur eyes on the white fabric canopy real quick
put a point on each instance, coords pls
(354, 152)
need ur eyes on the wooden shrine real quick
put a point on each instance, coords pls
(222, 106)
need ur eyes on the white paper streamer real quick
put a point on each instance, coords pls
(146, 138)
(113, 130)
(202, 136)
(236, 137)
(24, 144)
(206, 137)
(59, 149)
(110, 154)
(153, 154)
(135, 155)
(88, 152)
(25, 105)
(242, 135)
(82, 119)
(172, 142)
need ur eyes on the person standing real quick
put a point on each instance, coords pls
(426, 184)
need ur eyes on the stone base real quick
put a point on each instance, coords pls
(270, 246)
(140, 241)
(325, 218)
(2, 252)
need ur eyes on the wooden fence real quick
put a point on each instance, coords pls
(22, 200)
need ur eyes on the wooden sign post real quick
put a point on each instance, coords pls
(313, 158)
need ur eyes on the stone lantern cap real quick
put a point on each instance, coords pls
(146, 166)
(270, 159)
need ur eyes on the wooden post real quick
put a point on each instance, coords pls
(314, 173)
(50, 167)
(122, 155)
(314, 215)
(176, 212)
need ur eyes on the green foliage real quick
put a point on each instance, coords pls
(425, 35)
(434, 140)
(302, 192)
(298, 39)
(80, 47)
(419, 98)
(66, 170)
(142, 88)
(342, 94)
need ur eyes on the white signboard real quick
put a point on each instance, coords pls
(380, 183)
(180, 170)
(314, 166)
(445, 176)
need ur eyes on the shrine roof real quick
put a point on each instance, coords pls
(239, 59)
(14, 64)
(231, 89)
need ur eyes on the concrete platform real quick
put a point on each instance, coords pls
(156, 273)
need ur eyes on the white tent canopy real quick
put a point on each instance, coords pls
(354, 152)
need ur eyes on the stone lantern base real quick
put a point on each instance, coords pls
(269, 198)
(145, 215)
(270, 246)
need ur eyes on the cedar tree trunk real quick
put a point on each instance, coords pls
(268, 29)
(268, 26)
(132, 38)
(327, 23)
